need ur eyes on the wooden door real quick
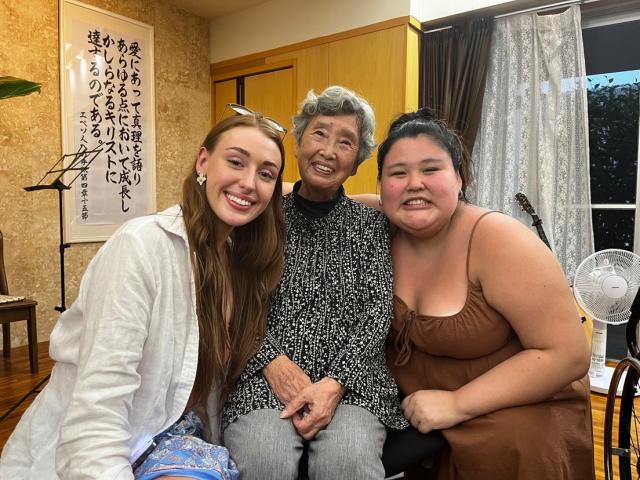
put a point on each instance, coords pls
(273, 94)
(224, 92)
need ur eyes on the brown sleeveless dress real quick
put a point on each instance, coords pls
(547, 440)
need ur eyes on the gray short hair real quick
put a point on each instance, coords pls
(336, 100)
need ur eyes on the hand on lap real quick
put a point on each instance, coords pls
(313, 408)
(285, 378)
(429, 410)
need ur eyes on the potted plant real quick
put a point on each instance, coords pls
(16, 87)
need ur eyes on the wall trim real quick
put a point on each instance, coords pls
(245, 71)
(256, 59)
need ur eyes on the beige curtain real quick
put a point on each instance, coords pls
(533, 135)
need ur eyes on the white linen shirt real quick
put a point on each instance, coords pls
(126, 356)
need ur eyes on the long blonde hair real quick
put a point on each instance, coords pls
(255, 266)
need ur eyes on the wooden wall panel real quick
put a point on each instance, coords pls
(412, 70)
(312, 69)
(271, 94)
(223, 93)
(311, 72)
(380, 64)
(372, 65)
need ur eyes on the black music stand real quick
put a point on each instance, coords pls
(52, 180)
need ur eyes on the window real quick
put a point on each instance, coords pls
(613, 82)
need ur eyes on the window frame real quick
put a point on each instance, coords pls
(603, 21)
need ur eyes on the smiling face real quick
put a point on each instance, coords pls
(327, 155)
(242, 170)
(419, 186)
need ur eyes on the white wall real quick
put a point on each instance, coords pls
(282, 22)
(426, 10)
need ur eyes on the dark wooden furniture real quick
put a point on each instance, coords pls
(15, 312)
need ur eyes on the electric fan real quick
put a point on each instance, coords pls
(604, 286)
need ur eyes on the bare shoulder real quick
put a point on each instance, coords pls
(501, 245)
(506, 254)
(495, 230)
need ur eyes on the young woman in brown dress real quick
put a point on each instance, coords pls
(486, 343)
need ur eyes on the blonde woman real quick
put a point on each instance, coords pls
(168, 313)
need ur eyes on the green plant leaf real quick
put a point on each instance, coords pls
(16, 87)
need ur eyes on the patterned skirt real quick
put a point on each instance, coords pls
(181, 451)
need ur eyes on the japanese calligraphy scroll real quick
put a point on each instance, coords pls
(107, 87)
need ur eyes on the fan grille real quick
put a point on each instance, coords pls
(598, 269)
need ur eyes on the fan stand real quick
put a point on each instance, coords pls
(601, 383)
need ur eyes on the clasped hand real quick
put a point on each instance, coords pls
(285, 378)
(310, 406)
(314, 407)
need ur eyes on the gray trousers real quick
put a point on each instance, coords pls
(265, 447)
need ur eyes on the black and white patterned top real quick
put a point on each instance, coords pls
(331, 312)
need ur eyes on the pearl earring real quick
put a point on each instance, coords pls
(201, 178)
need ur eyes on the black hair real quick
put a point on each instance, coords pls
(424, 122)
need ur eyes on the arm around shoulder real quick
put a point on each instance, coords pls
(369, 199)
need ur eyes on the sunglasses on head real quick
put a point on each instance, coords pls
(242, 110)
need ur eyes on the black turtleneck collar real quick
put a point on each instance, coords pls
(311, 209)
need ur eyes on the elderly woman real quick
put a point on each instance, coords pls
(323, 358)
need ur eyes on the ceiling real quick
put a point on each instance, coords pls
(210, 9)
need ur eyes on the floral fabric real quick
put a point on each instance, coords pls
(181, 451)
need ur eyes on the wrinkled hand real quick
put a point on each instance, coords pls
(314, 407)
(430, 410)
(285, 378)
